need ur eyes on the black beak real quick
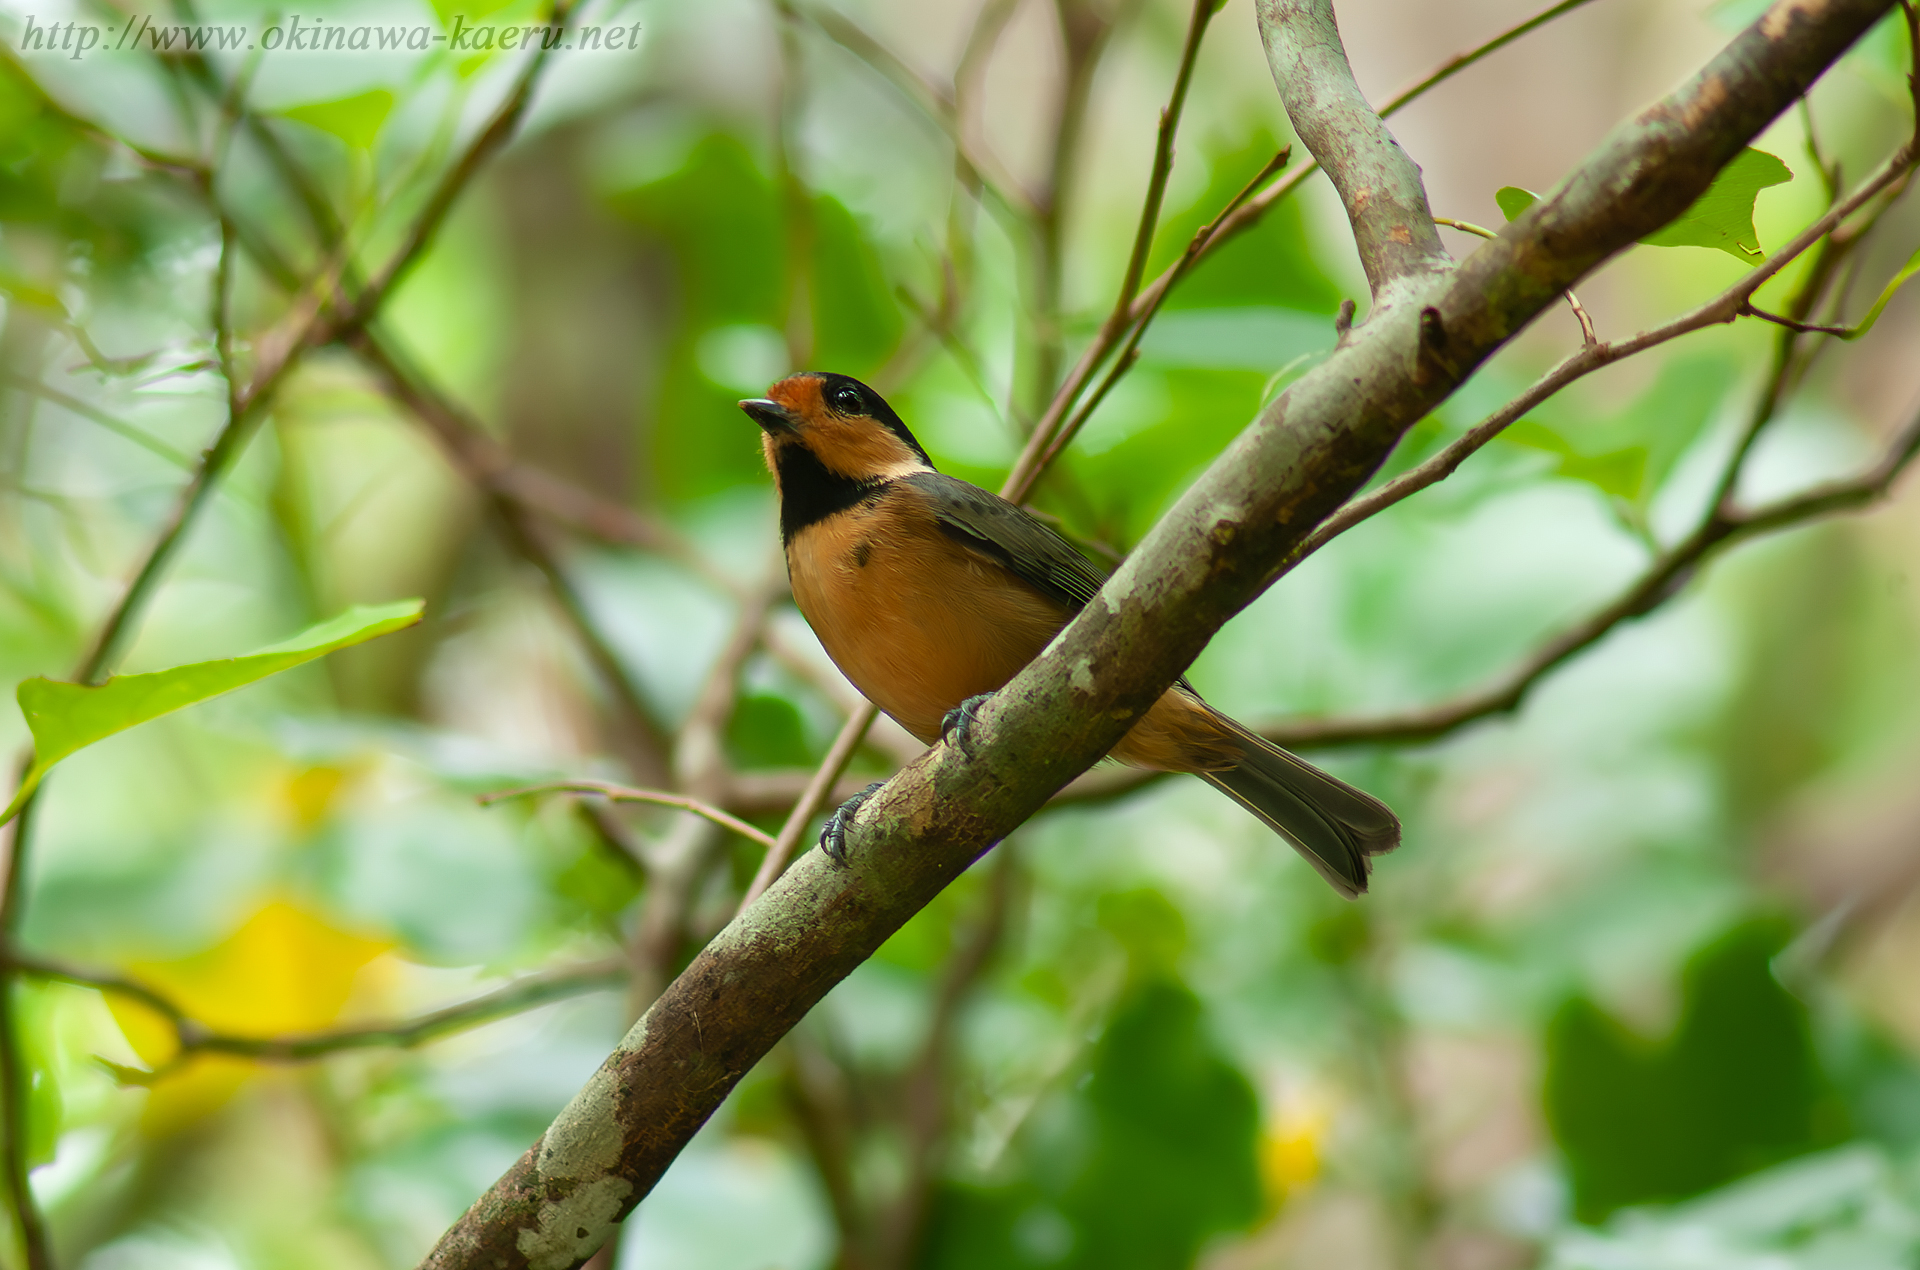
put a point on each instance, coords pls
(770, 415)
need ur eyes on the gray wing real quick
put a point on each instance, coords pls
(993, 527)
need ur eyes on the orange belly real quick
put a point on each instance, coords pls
(919, 623)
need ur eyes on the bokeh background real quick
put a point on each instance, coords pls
(1640, 990)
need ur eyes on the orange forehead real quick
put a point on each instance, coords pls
(800, 394)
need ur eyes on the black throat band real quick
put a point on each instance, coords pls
(810, 492)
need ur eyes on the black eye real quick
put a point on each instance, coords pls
(847, 400)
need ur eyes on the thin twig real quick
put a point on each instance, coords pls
(192, 1038)
(812, 799)
(1240, 216)
(1663, 578)
(492, 138)
(93, 414)
(1019, 483)
(1798, 328)
(627, 794)
(16, 1072)
(1587, 334)
(1084, 29)
(979, 170)
(1454, 65)
(1723, 308)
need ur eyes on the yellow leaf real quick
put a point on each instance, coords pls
(1289, 1148)
(284, 970)
(310, 794)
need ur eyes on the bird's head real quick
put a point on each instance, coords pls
(845, 426)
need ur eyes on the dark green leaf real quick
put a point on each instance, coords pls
(1734, 1090)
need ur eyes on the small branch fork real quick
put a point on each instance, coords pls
(192, 1038)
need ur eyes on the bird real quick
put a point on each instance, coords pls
(930, 594)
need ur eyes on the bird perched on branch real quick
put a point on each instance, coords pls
(930, 593)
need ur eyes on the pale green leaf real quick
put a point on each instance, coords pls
(1723, 216)
(65, 717)
(1900, 279)
(1513, 200)
(355, 120)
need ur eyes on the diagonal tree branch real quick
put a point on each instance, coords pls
(1206, 559)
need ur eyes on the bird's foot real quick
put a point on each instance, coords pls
(833, 837)
(957, 727)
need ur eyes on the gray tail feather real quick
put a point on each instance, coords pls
(1332, 824)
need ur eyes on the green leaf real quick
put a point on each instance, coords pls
(1137, 1167)
(1865, 324)
(1735, 1088)
(355, 120)
(65, 717)
(1513, 200)
(1723, 216)
(1621, 473)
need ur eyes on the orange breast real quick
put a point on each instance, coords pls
(919, 624)
(915, 620)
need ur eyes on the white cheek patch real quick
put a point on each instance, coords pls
(908, 466)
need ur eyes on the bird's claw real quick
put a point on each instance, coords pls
(833, 836)
(956, 729)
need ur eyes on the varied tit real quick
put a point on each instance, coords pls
(929, 592)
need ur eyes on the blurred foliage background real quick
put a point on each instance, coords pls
(1638, 991)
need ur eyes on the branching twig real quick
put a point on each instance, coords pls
(1660, 581)
(627, 794)
(1052, 436)
(811, 801)
(1241, 215)
(192, 1038)
(1723, 308)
